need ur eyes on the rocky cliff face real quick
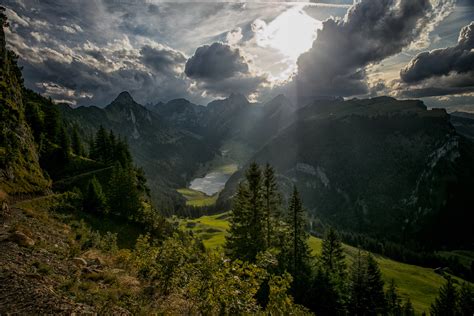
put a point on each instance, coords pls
(20, 171)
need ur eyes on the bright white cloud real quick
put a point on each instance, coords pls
(292, 32)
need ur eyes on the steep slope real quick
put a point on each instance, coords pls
(387, 168)
(464, 123)
(20, 171)
(181, 113)
(231, 118)
(277, 114)
(418, 283)
(168, 154)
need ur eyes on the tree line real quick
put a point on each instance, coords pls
(261, 226)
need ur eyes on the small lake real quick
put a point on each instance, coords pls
(214, 181)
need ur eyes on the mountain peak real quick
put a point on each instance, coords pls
(124, 96)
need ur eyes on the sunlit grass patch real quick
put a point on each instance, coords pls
(196, 198)
(419, 283)
(227, 169)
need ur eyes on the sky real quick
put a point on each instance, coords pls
(87, 52)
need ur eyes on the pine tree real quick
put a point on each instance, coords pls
(122, 153)
(239, 237)
(271, 204)
(76, 142)
(393, 301)
(101, 150)
(256, 232)
(123, 196)
(358, 304)
(298, 250)
(332, 254)
(408, 309)
(466, 300)
(366, 287)
(52, 122)
(325, 296)
(376, 296)
(65, 145)
(445, 303)
(94, 199)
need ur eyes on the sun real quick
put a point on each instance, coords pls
(291, 33)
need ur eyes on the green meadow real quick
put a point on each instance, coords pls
(419, 283)
(197, 198)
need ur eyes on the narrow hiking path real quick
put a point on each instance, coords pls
(78, 176)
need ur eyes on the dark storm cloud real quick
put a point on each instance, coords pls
(221, 69)
(88, 81)
(215, 62)
(450, 61)
(162, 59)
(82, 59)
(370, 32)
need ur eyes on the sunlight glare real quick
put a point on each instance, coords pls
(292, 32)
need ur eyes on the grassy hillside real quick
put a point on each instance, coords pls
(196, 198)
(418, 283)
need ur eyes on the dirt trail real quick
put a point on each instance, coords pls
(78, 176)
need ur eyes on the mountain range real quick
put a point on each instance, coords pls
(378, 166)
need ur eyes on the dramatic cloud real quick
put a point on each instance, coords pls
(162, 59)
(70, 63)
(215, 62)
(370, 32)
(456, 63)
(86, 52)
(222, 69)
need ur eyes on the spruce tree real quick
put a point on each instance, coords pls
(271, 204)
(299, 253)
(123, 197)
(375, 293)
(102, 150)
(393, 301)
(445, 303)
(358, 304)
(466, 300)
(332, 265)
(76, 142)
(256, 232)
(325, 296)
(408, 309)
(65, 145)
(332, 254)
(52, 122)
(94, 199)
(122, 153)
(239, 236)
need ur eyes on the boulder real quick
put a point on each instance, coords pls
(21, 239)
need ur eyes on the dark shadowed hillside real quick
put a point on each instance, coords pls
(380, 166)
(164, 151)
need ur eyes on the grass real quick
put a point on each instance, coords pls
(419, 284)
(227, 169)
(197, 198)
